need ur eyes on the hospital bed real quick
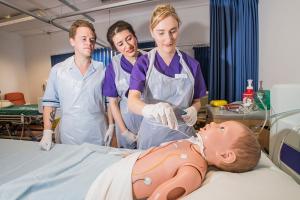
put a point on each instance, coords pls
(285, 128)
(67, 172)
(19, 116)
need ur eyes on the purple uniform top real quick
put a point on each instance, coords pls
(109, 85)
(138, 74)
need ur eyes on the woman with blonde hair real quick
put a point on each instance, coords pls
(171, 83)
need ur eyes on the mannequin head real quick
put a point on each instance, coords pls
(230, 146)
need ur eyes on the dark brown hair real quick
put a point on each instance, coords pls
(117, 27)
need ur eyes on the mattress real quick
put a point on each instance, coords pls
(67, 172)
(31, 109)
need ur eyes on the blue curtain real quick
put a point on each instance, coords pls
(234, 47)
(103, 55)
(202, 54)
(146, 46)
(59, 58)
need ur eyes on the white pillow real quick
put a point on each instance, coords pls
(265, 182)
(5, 103)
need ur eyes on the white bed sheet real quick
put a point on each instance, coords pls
(65, 172)
(21, 160)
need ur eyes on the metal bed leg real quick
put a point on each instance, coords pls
(8, 131)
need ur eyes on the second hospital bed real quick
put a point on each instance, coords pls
(19, 116)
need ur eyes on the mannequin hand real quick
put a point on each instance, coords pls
(46, 140)
(190, 118)
(130, 137)
(108, 135)
(161, 112)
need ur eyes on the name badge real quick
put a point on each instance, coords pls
(181, 76)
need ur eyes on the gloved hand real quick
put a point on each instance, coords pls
(46, 141)
(161, 112)
(190, 118)
(130, 137)
(108, 135)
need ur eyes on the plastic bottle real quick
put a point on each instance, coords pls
(248, 95)
(264, 95)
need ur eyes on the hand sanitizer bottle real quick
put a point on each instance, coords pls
(248, 95)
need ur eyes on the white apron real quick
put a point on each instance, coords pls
(82, 105)
(178, 92)
(131, 120)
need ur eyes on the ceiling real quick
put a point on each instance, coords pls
(12, 20)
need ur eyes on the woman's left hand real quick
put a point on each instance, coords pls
(190, 118)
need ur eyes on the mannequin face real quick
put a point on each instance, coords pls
(125, 43)
(83, 42)
(165, 34)
(218, 138)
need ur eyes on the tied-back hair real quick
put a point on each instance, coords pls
(118, 27)
(248, 152)
(161, 12)
(81, 23)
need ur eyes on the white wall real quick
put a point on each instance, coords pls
(13, 75)
(194, 30)
(39, 48)
(279, 41)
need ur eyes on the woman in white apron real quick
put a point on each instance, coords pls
(122, 38)
(171, 83)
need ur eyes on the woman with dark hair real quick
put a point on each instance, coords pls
(122, 38)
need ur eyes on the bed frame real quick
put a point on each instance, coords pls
(285, 129)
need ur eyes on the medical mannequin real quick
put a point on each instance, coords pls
(171, 83)
(177, 168)
(122, 38)
(75, 85)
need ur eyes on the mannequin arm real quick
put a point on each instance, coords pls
(186, 180)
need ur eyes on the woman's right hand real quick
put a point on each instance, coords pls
(130, 137)
(161, 112)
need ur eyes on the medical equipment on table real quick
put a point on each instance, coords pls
(263, 95)
(217, 103)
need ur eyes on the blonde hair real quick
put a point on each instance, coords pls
(161, 12)
(248, 152)
(81, 23)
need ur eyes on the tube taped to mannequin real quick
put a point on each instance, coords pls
(198, 141)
